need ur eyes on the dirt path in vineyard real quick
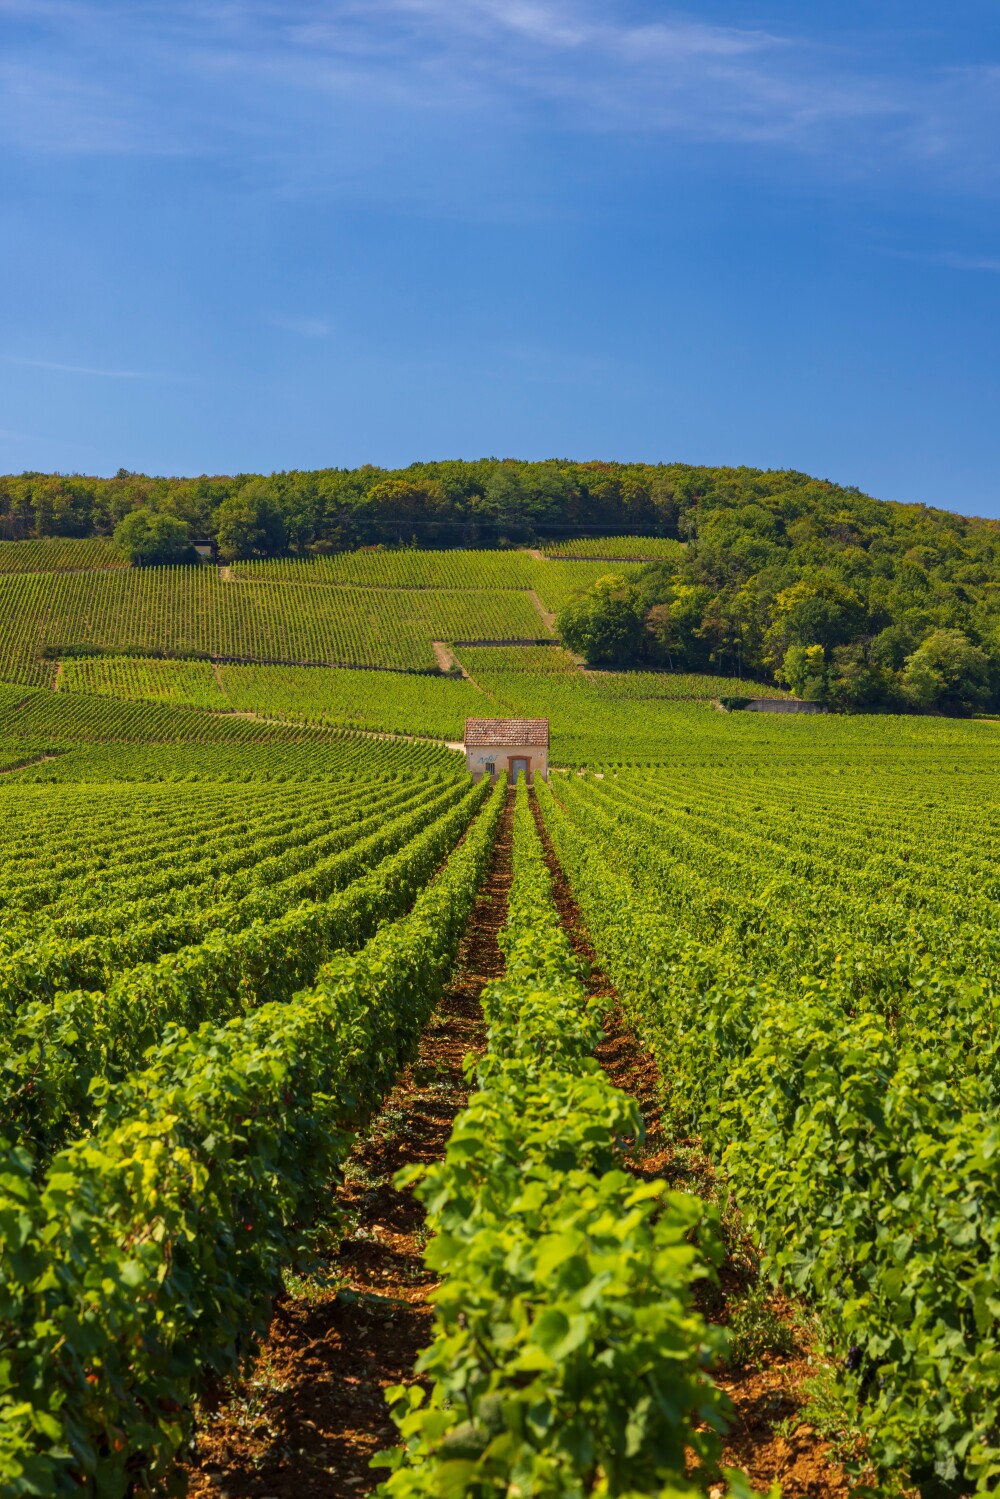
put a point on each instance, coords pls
(766, 1440)
(312, 1412)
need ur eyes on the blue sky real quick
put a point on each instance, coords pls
(254, 234)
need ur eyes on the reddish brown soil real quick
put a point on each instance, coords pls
(311, 1413)
(770, 1436)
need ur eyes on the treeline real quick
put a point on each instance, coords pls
(744, 513)
(739, 511)
(486, 503)
(846, 600)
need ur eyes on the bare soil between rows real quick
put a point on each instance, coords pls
(770, 1435)
(311, 1413)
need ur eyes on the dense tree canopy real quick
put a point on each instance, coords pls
(148, 538)
(483, 503)
(250, 523)
(877, 625)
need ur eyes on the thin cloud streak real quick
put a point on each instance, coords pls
(684, 76)
(951, 260)
(957, 262)
(82, 369)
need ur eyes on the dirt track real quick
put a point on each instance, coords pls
(312, 1413)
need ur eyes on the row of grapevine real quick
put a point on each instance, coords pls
(58, 554)
(367, 568)
(568, 1356)
(820, 985)
(192, 857)
(60, 719)
(618, 548)
(374, 567)
(473, 572)
(457, 595)
(282, 760)
(383, 701)
(491, 659)
(67, 716)
(16, 752)
(653, 686)
(140, 1260)
(192, 684)
(58, 1039)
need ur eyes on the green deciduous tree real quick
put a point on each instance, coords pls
(607, 625)
(251, 524)
(150, 539)
(804, 669)
(947, 672)
(815, 611)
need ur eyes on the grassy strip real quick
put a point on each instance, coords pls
(568, 1357)
(148, 1255)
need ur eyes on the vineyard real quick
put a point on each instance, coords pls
(551, 1254)
(498, 678)
(397, 702)
(376, 610)
(469, 572)
(192, 611)
(107, 720)
(617, 548)
(633, 1134)
(61, 554)
(818, 978)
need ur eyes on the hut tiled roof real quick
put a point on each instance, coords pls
(507, 733)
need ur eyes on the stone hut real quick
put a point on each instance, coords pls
(517, 745)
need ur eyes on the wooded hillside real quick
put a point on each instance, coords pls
(843, 598)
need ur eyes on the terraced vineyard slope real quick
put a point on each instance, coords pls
(377, 609)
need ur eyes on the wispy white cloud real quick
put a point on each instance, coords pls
(43, 109)
(299, 81)
(680, 75)
(958, 262)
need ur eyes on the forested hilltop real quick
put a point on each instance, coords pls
(484, 503)
(844, 598)
(490, 501)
